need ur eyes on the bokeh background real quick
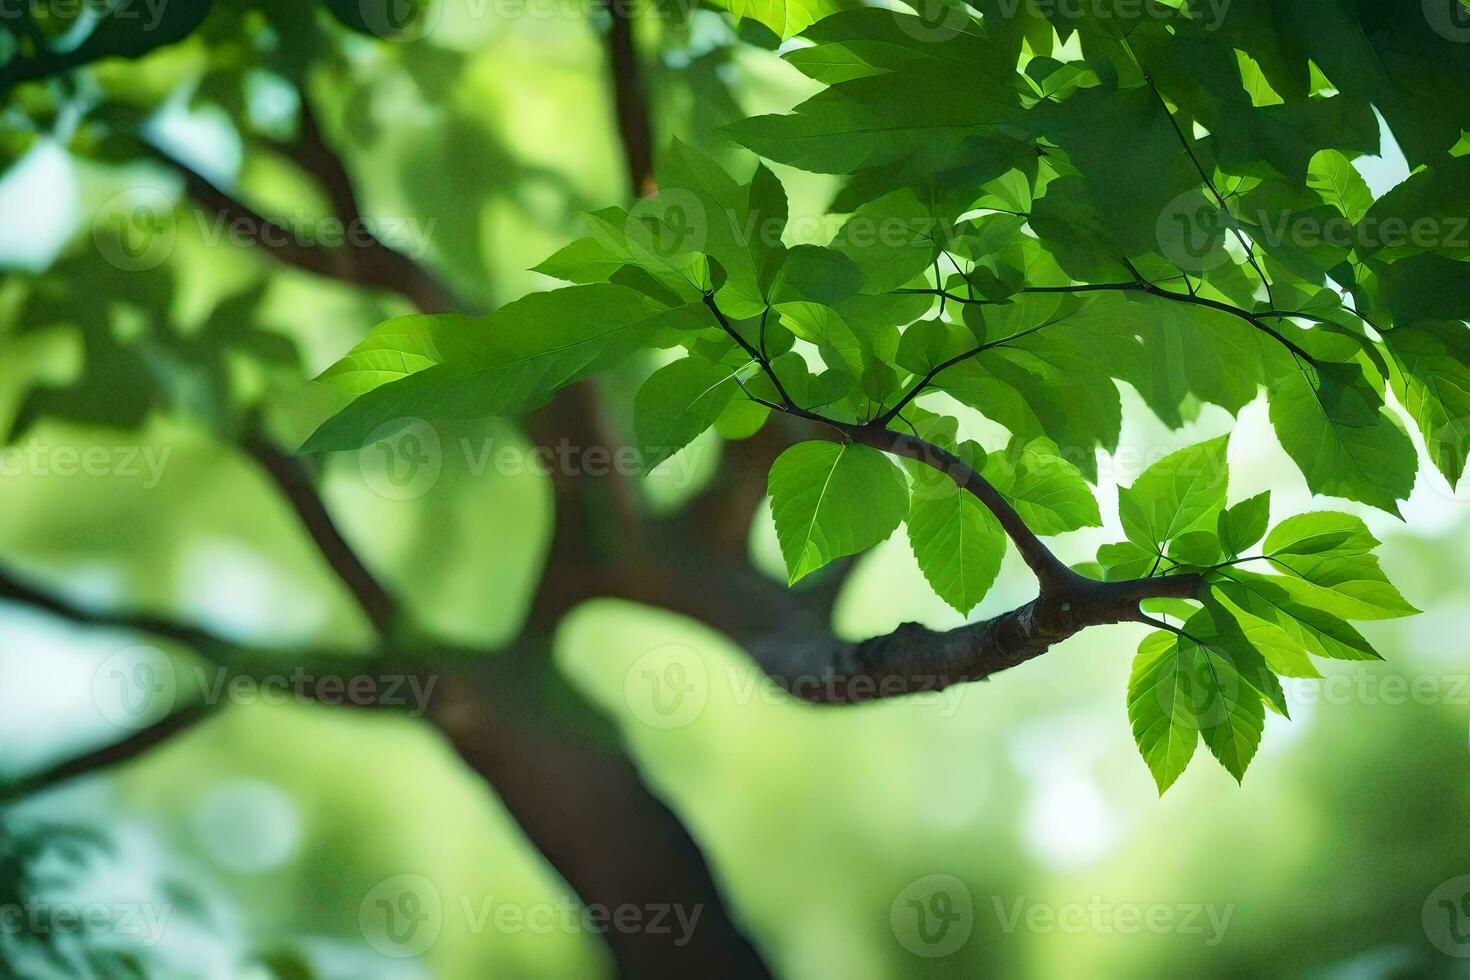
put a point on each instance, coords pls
(256, 838)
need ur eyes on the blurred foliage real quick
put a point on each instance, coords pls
(266, 828)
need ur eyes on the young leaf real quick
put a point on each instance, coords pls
(585, 260)
(393, 351)
(1262, 599)
(1333, 176)
(737, 225)
(891, 240)
(1199, 547)
(511, 361)
(678, 402)
(1232, 677)
(1432, 381)
(1046, 490)
(1124, 560)
(957, 541)
(1161, 706)
(1232, 730)
(1244, 524)
(1174, 494)
(1337, 431)
(1220, 636)
(785, 18)
(833, 499)
(1324, 533)
(1350, 587)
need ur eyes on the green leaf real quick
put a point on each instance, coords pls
(940, 120)
(1229, 675)
(1323, 533)
(677, 403)
(817, 274)
(1090, 126)
(1332, 175)
(585, 260)
(891, 240)
(1339, 434)
(1233, 731)
(737, 225)
(833, 499)
(393, 351)
(1199, 547)
(506, 363)
(1161, 706)
(956, 539)
(1054, 383)
(1428, 212)
(810, 391)
(785, 18)
(822, 326)
(1048, 492)
(1264, 606)
(1125, 560)
(929, 343)
(1243, 524)
(1432, 381)
(741, 419)
(1221, 637)
(1352, 587)
(1180, 491)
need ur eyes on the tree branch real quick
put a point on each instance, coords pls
(923, 383)
(108, 756)
(286, 472)
(630, 102)
(363, 260)
(1142, 286)
(915, 660)
(13, 590)
(1050, 571)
